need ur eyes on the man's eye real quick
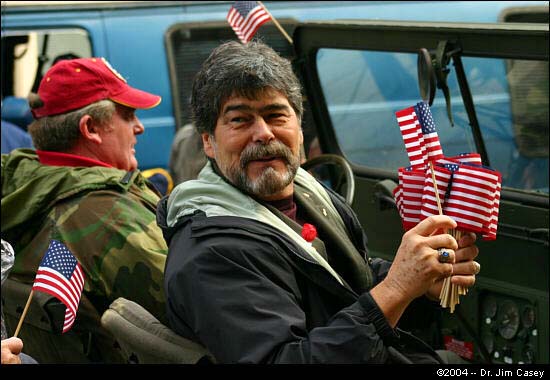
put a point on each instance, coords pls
(277, 117)
(128, 115)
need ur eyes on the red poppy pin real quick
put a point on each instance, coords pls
(309, 232)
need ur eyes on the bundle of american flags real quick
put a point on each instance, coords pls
(464, 189)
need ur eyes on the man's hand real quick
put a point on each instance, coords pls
(11, 348)
(416, 267)
(464, 268)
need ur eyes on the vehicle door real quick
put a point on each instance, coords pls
(358, 74)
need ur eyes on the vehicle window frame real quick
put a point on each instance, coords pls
(479, 40)
(40, 32)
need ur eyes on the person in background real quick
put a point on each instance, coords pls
(265, 265)
(186, 155)
(82, 187)
(14, 137)
(161, 179)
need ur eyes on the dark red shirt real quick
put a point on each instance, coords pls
(288, 207)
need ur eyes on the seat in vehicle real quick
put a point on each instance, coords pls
(143, 339)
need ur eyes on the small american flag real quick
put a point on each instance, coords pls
(245, 17)
(491, 233)
(472, 198)
(60, 275)
(472, 158)
(431, 139)
(412, 137)
(412, 185)
(443, 177)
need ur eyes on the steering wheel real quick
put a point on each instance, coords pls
(346, 173)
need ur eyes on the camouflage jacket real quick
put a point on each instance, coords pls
(105, 216)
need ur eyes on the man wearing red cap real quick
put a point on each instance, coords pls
(82, 188)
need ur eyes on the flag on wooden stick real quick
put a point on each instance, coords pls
(245, 17)
(60, 275)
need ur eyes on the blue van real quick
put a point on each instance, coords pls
(158, 46)
(359, 64)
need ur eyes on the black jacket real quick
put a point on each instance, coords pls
(251, 295)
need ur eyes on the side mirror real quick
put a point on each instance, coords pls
(426, 76)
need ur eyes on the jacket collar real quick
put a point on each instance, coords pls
(212, 195)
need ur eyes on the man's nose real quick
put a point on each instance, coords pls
(262, 132)
(138, 127)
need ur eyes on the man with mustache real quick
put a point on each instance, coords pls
(82, 188)
(240, 278)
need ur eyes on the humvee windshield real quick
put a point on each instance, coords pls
(510, 96)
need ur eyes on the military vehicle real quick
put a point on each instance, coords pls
(483, 66)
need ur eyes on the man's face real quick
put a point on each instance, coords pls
(256, 144)
(119, 139)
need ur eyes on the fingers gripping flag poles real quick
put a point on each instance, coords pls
(460, 187)
(60, 275)
(246, 17)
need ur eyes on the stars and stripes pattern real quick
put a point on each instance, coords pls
(443, 177)
(491, 234)
(412, 137)
(468, 192)
(467, 158)
(60, 275)
(471, 198)
(411, 186)
(417, 127)
(429, 134)
(245, 17)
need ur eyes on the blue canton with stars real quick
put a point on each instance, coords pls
(59, 258)
(425, 118)
(244, 7)
(451, 167)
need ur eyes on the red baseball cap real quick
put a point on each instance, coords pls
(72, 84)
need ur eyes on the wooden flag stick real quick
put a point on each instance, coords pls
(277, 23)
(461, 289)
(23, 314)
(448, 295)
(435, 189)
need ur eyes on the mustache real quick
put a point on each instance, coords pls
(260, 151)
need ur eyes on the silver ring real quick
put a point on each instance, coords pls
(443, 256)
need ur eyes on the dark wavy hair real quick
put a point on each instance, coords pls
(245, 70)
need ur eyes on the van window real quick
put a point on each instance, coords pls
(22, 52)
(363, 89)
(190, 44)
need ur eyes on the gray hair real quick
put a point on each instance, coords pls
(60, 133)
(245, 70)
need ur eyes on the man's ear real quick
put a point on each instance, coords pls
(208, 144)
(89, 130)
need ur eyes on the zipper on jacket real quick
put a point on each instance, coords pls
(126, 179)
